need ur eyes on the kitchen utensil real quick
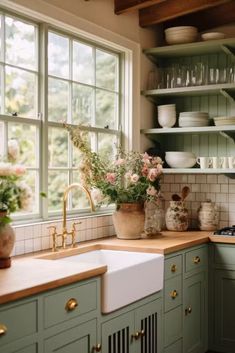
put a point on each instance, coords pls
(185, 192)
(176, 197)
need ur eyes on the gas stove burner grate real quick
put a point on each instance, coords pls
(227, 231)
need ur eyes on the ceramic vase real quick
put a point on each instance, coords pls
(154, 217)
(128, 220)
(7, 241)
(177, 218)
(208, 216)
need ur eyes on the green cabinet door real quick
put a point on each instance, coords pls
(194, 324)
(224, 310)
(78, 339)
(148, 325)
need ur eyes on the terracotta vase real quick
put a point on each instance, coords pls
(7, 241)
(208, 216)
(177, 216)
(128, 220)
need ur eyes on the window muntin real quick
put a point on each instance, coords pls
(79, 91)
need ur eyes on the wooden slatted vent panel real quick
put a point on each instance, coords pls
(119, 341)
(149, 340)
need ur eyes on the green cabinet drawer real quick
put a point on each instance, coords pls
(173, 266)
(172, 293)
(68, 303)
(224, 255)
(196, 259)
(176, 347)
(173, 326)
(19, 320)
(33, 348)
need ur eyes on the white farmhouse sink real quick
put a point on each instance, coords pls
(130, 275)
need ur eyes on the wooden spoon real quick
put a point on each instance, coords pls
(184, 192)
(176, 197)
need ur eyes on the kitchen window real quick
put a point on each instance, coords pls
(48, 77)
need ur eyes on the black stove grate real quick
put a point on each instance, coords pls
(227, 231)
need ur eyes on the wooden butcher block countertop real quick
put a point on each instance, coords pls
(33, 274)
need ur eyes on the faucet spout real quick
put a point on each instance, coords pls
(65, 197)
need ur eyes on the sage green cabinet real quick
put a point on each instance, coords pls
(81, 338)
(136, 331)
(185, 301)
(222, 294)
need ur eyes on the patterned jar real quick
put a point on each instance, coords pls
(208, 216)
(177, 218)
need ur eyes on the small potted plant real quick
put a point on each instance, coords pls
(128, 181)
(15, 195)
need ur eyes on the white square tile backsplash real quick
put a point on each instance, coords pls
(217, 188)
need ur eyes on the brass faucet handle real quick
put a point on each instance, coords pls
(53, 233)
(74, 233)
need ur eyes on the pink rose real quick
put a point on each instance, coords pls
(18, 169)
(145, 170)
(111, 178)
(120, 161)
(156, 160)
(128, 175)
(146, 158)
(151, 191)
(153, 174)
(134, 178)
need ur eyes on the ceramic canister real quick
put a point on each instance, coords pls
(177, 218)
(208, 216)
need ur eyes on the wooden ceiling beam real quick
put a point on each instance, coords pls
(171, 9)
(204, 20)
(121, 6)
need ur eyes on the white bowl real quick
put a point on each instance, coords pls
(213, 35)
(181, 34)
(181, 28)
(180, 159)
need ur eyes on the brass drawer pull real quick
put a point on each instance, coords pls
(97, 348)
(196, 260)
(71, 304)
(174, 294)
(138, 334)
(188, 310)
(3, 329)
(173, 268)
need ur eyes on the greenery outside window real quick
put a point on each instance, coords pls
(78, 83)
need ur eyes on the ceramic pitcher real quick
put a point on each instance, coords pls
(208, 216)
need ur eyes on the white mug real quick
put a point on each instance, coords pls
(231, 162)
(215, 162)
(224, 162)
(204, 162)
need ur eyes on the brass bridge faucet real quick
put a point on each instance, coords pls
(65, 232)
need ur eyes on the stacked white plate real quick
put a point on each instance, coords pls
(224, 120)
(193, 119)
(181, 34)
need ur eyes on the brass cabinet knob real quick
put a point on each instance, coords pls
(138, 334)
(188, 310)
(196, 260)
(173, 268)
(71, 304)
(174, 294)
(3, 329)
(97, 348)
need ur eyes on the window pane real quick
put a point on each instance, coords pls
(106, 70)
(79, 198)
(20, 92)
(77, 154)
(107, 146)
(58, 94)
(30, 180)
(57, 182)
(58, 55)
(57, 147)
(83, 63)
(2, 141)
(20, 43)
(83, 104)
(106, 109)
(0, 36)
(25, 137)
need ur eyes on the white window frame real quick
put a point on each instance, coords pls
(130, 51)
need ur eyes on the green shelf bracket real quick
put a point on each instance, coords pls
(230, 95)
(229, 135)
(229, 51)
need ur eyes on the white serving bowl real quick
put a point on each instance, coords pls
(180, 159)
(213, 35)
